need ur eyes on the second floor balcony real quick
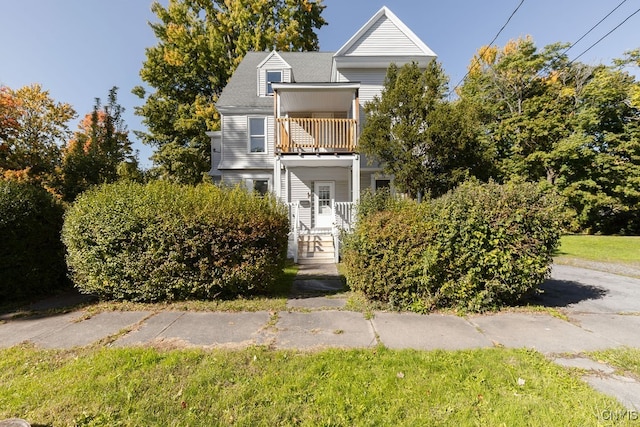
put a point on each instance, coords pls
(316, 117)
(316, 135)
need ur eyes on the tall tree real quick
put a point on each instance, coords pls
(33, 129)
(98, 148)
(200, 43)
(426, 143)
(573, 125)
(600, 161)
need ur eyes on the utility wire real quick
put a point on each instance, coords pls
(539, 73)
(603, 37)
(490, 43)
(594, 27)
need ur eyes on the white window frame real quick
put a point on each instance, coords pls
(251, 135)
(267, 82)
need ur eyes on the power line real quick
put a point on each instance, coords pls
(490, 43)
(603, 37)
(594, 27)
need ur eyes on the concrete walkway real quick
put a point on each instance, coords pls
(602, 311)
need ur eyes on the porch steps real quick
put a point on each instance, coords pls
(316, 249)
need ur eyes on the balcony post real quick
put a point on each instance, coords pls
(277, 177)
(355, 179)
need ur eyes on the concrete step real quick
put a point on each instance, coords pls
(316, 260)
(316, 254)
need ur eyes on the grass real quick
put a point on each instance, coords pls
(625, 359)
(258, 386)
(613, 249)
(276, 300)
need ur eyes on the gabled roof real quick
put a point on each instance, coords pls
(270, 56)
(383, 40)
(241, 90)
(350, 47)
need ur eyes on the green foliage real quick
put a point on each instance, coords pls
(428, 144)
(166, 242)
(573, 125)
(98, 149)
(31, 253)
(372, 202)
(200, 44)
(33, 126)
(478, 247)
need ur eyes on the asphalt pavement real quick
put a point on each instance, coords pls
(601, 310)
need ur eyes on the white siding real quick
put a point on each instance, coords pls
(371, 81)
(239, 177)
(384, 38)
(301, 188)
(235, 144)
(274, 63)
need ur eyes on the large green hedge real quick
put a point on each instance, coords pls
(165, 242)
(478, 247)
(31, 253)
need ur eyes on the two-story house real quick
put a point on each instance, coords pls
(290, 123)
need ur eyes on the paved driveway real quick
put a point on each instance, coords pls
(579, 290)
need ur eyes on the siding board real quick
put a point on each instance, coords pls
(384, 38)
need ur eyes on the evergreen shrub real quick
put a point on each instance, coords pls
(477, 248)
(167, 242)
(31, 253)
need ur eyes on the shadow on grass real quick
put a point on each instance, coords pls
(562, 293)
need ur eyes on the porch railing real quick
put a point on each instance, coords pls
(294, 224)
(299, 135)
(343, 220)
(343, 215)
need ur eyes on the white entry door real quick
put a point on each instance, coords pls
(324, 196)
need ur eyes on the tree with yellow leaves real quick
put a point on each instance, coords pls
(200, 43)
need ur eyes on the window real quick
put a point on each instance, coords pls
(257, 139)
(383, 183)
(272, 77)
(259, 185)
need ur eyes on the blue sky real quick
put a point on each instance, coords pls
(79, 49)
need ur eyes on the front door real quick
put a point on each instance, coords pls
(324, 196)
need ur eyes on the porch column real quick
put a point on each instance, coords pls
(355, 179)
(277, 177)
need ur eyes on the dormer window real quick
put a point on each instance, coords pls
(273, 77)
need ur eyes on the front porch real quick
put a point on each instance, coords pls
(316, 164)
(318, 245)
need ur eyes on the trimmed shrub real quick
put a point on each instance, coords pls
(31, 253)
(478, 247)
(372, 202)
(166, 242)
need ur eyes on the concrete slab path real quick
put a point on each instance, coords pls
(602, 311)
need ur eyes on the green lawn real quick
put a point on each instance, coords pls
(262, 387)
(625, 359)
(616, 249)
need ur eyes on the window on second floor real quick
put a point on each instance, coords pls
(272, 77)
(257, 135)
